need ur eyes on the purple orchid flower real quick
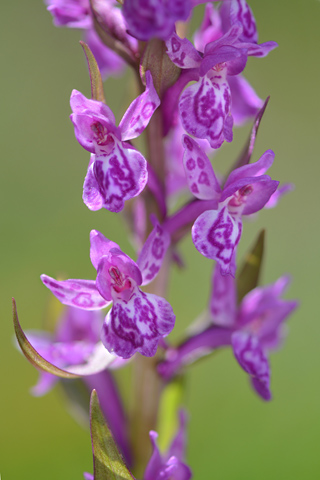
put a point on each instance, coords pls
(77, 14)
(155, 18)
(76, 336)
(217, 231)
(137, 320)
(171, 465)
(205, 107)
(253, 329)
(245, 102)
(117, 171)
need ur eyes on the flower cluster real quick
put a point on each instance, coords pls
(191, 95)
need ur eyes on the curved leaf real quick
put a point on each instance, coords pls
(248, 277)
(107, 461)
(95, 75)
(98, 360)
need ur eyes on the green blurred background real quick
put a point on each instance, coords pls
(45, 228)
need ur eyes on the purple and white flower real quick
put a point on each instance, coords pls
(155, 18)
(217, 231)
(137, 320)
(207, 107)
(252, 329)
(117, 171)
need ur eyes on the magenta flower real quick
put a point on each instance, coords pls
(117, 171)
(137, 320)
(253, 329)
(217, 231)
(154, 18)
(205, 107)
(171, 465)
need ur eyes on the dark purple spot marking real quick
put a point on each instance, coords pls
(157, 248)
(190, 164)
(188, 143)
(83, 300)
(200, 162)
(203, 179)
(148, 109)
(194, 188)
(175, 45)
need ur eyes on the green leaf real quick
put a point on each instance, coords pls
(31, 354)
(95, 75)
(171, 401)
(248, 277)
(164, 72)
(107, 461)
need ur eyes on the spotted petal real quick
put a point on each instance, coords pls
(119, 176)
(199, 172)
(152, 253)
(137, 325)
(223, 299)
(76, 293)
(139, 113)
(252, 359)
(205, 109)
(182, 53)
(215, 235)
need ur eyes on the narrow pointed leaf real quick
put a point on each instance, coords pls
(31, 354)
(98, 360)
(107, 461)
(246, 154)
(248, 277)
(95, 75)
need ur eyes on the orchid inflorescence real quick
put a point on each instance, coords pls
(191, 95)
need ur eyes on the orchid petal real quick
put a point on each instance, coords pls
(205, 110)
(210, 29)
(93, 122)
(120, 176)
(155, 462)
(277, 195)
(215, 235)
(100, 246)
(117, 276)
(252, 359)
(223, 299)
(199, 172)
(229, 38)
(252, 169)
(240, 12)
(92, 196)
(139, 113)
(236, 58)
(245, 101)
(249, 195)
(182, 52)
(147, 19)
(152, 253)
(261, 50)
(76, 293)
(137, 325)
